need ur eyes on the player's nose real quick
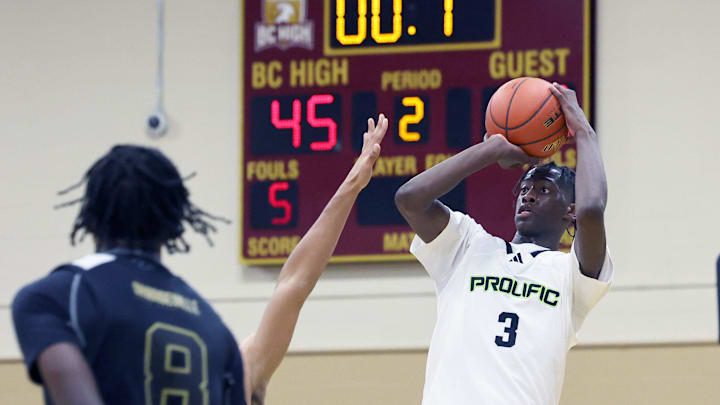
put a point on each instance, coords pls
(529, 197)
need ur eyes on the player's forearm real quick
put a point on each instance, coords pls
(590, 183)
(67, 376)
(309, 258)
(419, 192)
(265, 350)
(72, 397)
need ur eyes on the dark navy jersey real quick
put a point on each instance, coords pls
(148, 337)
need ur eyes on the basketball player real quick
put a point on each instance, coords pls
(509, 311)
(116, 327)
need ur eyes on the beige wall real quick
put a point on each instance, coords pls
(78, 76)
(656, 375)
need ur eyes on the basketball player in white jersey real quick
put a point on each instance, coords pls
(508, 312)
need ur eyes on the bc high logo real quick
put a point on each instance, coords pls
(284, 26)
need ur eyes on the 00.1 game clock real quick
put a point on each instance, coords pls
(414, 25)
(313, 72)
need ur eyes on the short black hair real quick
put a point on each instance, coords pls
(566, 180)
(135, 196)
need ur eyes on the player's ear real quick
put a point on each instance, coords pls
(570, 214)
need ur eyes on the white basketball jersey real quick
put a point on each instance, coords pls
(507, 314)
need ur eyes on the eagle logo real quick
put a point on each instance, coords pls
(284, 26)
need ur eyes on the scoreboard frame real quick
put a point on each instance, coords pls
(588, 88)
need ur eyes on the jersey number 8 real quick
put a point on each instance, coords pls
(175, 366)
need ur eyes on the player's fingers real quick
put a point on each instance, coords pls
(380, 129)
(569, 93)
(488, 136)
(371, 125)
(555, 90)
(383, 125)
(564, 89)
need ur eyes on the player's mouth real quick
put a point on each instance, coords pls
(524, 211)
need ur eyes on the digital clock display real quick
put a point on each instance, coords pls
(313, 72)
(411, 24)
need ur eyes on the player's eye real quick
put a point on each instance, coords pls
(545, 190)
(524, 189)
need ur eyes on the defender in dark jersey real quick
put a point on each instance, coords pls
(116, 327)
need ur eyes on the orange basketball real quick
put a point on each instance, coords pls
(527, 114)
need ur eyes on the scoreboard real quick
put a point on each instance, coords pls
(314, 71)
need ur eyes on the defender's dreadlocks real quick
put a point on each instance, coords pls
(135, 197)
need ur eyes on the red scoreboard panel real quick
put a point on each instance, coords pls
(314, 71)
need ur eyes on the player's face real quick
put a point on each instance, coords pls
(541, 205)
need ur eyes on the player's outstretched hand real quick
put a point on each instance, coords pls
(574, 115)
(361, 172)
(511, 156)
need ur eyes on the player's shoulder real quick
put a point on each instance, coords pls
(60, 278)
(467, 224)
(556, 261)
(479, 238)
(41, 291)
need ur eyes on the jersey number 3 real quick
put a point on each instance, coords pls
(508, 340)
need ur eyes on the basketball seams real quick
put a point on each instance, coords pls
(528, 130)
(492, 117)
(533, 114)
(507, 114)
(549, 136)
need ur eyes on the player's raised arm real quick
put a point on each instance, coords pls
(590, 185)
(263, 351)
(417, 200)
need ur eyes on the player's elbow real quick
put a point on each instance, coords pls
(593, 213)
(295, 289)
(408, 198)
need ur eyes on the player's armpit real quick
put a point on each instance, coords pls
(67, 376)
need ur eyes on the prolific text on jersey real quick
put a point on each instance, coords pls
(513, 287)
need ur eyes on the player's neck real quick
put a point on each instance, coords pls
(102, 246)
(549, 241)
